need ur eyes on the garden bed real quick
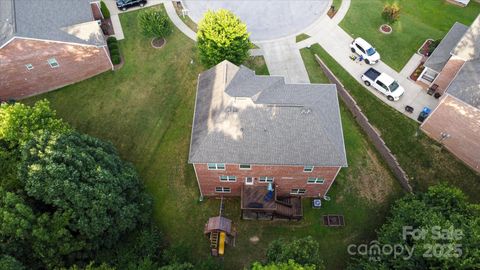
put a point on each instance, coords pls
(385, 29)
(416, 73)
(158, 43)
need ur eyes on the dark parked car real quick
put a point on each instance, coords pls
(125, 4)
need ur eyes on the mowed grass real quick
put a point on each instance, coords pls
(423, 159)
(145, 109)
(419, 20)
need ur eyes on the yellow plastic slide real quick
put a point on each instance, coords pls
(221, 244)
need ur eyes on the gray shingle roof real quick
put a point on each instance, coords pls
(58, 20)
(442, 53)
(265, 122)
(469, 46)
(466, 85)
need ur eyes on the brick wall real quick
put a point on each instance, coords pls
(76, 62)
(285, 178)
(462, 122)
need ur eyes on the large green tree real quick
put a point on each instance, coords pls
(20, 123)
(438, 229)
(84, 176)
(222, 36)
(289, 265)
(305, 251)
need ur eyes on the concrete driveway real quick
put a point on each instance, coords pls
(266, 19)
(336, 42)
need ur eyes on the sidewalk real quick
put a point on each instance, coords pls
(117, 27)
(172, 14)
(342, 11)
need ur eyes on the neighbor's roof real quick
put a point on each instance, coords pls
(56, 20)
(466, 85)
(244, 118)
(469, 46)
(442, 53)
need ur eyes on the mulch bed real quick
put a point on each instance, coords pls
(158, 43)
(416, 73)
(424, 50)
(332, 11)
(386, 29)
(107, 27)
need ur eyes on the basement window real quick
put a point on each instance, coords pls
(298, 191)
(29, 66)
(53, 63)
(222, 190)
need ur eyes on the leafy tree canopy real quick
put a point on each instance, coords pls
(290, 265)
(443, 232)
(84, 176)
(305, 251)
(20, 123)
(10, 263)
(222, 36)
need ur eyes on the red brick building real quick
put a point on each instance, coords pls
(455, 123)
(265, 141)
(45, 45)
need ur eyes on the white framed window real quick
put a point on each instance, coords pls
(245, 167)
(308, 168)
(53, 63)
(29, 66)
(315, 180)
(228, 178)
(222, 190)
(265, 179)
(298, 191)
(248, 180)
(216, 166)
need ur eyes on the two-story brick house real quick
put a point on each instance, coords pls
(47, 44)
(252, 131)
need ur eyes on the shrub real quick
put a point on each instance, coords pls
(104, 9)
(115, 59)
(154, 23)
(114, 51)
(111, 40)
(391, 12)
(433, 46)
(113, 46)
(305, 251)
(222, 36)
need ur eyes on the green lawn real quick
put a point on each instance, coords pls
(419, 20)
(145, 109)
(257, 63)
(423, 160)
(301, 37)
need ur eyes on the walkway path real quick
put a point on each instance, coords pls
(117, 26)
(342, 11)
(172, 14)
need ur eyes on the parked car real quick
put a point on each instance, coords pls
(365, 50)
(125, 4)
(383, 83)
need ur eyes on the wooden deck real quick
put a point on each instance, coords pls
(254, 205)
(253, 197)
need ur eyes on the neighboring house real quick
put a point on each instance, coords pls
(455, 123)
(251, 132)
(48, 44)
